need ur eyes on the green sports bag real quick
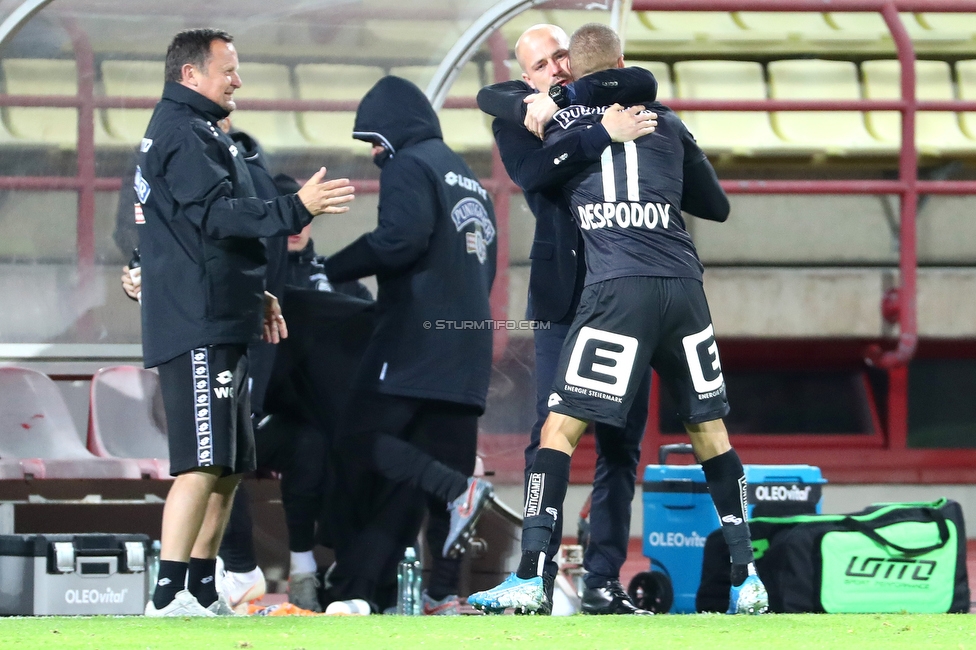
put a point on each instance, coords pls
(894, 557)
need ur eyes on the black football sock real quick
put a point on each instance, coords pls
(171, 579)
(548, 481)
(727, 485)
(201, 580)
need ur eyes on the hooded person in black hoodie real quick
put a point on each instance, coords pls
(424, 377)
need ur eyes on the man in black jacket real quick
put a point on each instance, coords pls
(556, 281)
(293, 442)
(239, 578)
(424, 376)
(204, 301)
(643, 304)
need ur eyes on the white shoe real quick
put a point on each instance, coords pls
(184, 604)
(221, 607)
(240, 589)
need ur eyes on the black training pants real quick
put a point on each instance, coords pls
(381, 517)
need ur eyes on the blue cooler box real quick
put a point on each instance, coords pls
(679, 515)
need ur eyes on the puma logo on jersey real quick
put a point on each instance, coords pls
(565, 117)
(593, 216)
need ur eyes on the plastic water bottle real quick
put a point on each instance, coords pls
(408, 584)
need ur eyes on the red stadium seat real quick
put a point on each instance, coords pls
(126, 418)
(36, 429)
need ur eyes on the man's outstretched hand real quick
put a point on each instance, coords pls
(326, 197)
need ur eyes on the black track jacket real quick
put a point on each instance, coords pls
(203, 263)
(433, 252)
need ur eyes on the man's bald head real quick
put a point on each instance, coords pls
(543, 53)
(594, 47)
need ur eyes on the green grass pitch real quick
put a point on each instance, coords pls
(711, 632)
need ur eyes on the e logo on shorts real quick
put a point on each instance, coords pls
(692, 344)
(602, 361)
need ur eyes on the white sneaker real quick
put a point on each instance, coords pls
(221, 607)
(240, 589)
(183, 605)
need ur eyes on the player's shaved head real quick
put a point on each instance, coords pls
(594, 47)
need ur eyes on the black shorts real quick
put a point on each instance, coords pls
(622, 325)
(208, 412)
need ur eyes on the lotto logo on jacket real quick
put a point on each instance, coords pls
(471, 184)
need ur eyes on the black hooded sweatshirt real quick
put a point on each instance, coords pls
(433, 252)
